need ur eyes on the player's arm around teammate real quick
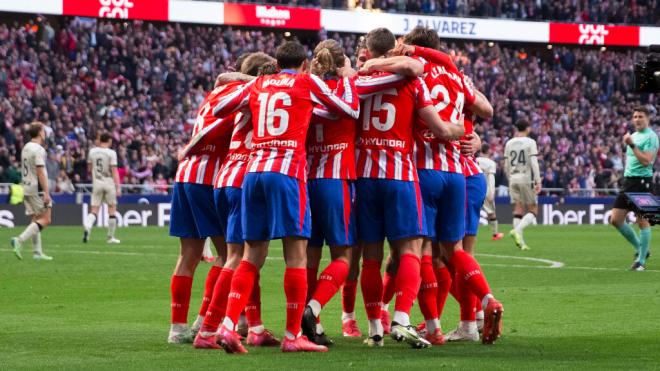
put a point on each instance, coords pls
(38, 203)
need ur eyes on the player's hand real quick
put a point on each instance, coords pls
(118, 191)
(368, 67)
(347, 70)
(402, 49)
(470, 145)
(180, 154)
(537, 188)
(47, 199)
(627, 139)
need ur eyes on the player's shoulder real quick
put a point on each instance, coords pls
(512, 141)
(95, 151)
(222, 90)
(485, 160)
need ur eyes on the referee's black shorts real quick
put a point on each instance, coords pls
(633, 184)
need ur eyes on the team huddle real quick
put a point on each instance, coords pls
(315, 153)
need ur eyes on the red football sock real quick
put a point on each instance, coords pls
(180, 288)
(211, 278)
(466, 300)
(428, 291)
(348, 296)
(295, 288)
(468, 269)
(443, 278)
(218, 304)
(241, 289)
(253, 308)
(408, 280)
(330, 280)
(372, 287)
(312, 279)
(453, 290)
(389, 287)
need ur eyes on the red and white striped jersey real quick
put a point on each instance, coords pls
(449, 94)
(385, 135)
(281, 106)
(331, 139)
(470, 165)
(198, 169)
(208, 146)
(232, 172)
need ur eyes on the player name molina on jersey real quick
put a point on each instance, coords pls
(383, 142)
(286, 82)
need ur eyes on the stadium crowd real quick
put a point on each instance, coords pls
(635, 11)
(143, 81)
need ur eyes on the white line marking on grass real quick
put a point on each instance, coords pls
(552, 263)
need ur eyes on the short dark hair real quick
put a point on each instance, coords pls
(485, 148)
(239, 61)
(424, 37)
(35, 128)
(379, 41)
(291, 54)
(105, 138)
(255, 62)
(522, 125)
(643, 110)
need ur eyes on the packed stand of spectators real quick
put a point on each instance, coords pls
(634, 11)
(142, 82)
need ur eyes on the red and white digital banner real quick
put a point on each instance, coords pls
(155, 10)
(272, 16)
(594, 34)
(283, 17)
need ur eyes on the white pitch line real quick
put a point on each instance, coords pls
(552, 263)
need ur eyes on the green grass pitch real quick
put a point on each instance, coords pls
(100, 306)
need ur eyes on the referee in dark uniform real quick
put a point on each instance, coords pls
(641, 152)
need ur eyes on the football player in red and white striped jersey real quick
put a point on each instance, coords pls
(454, 92)
(387, 175)
(349, 323)
(275, 201)
(472, 291)
(331, 161)
(192, 216)
(228, 192)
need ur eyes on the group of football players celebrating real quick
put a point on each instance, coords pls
(314, 153)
